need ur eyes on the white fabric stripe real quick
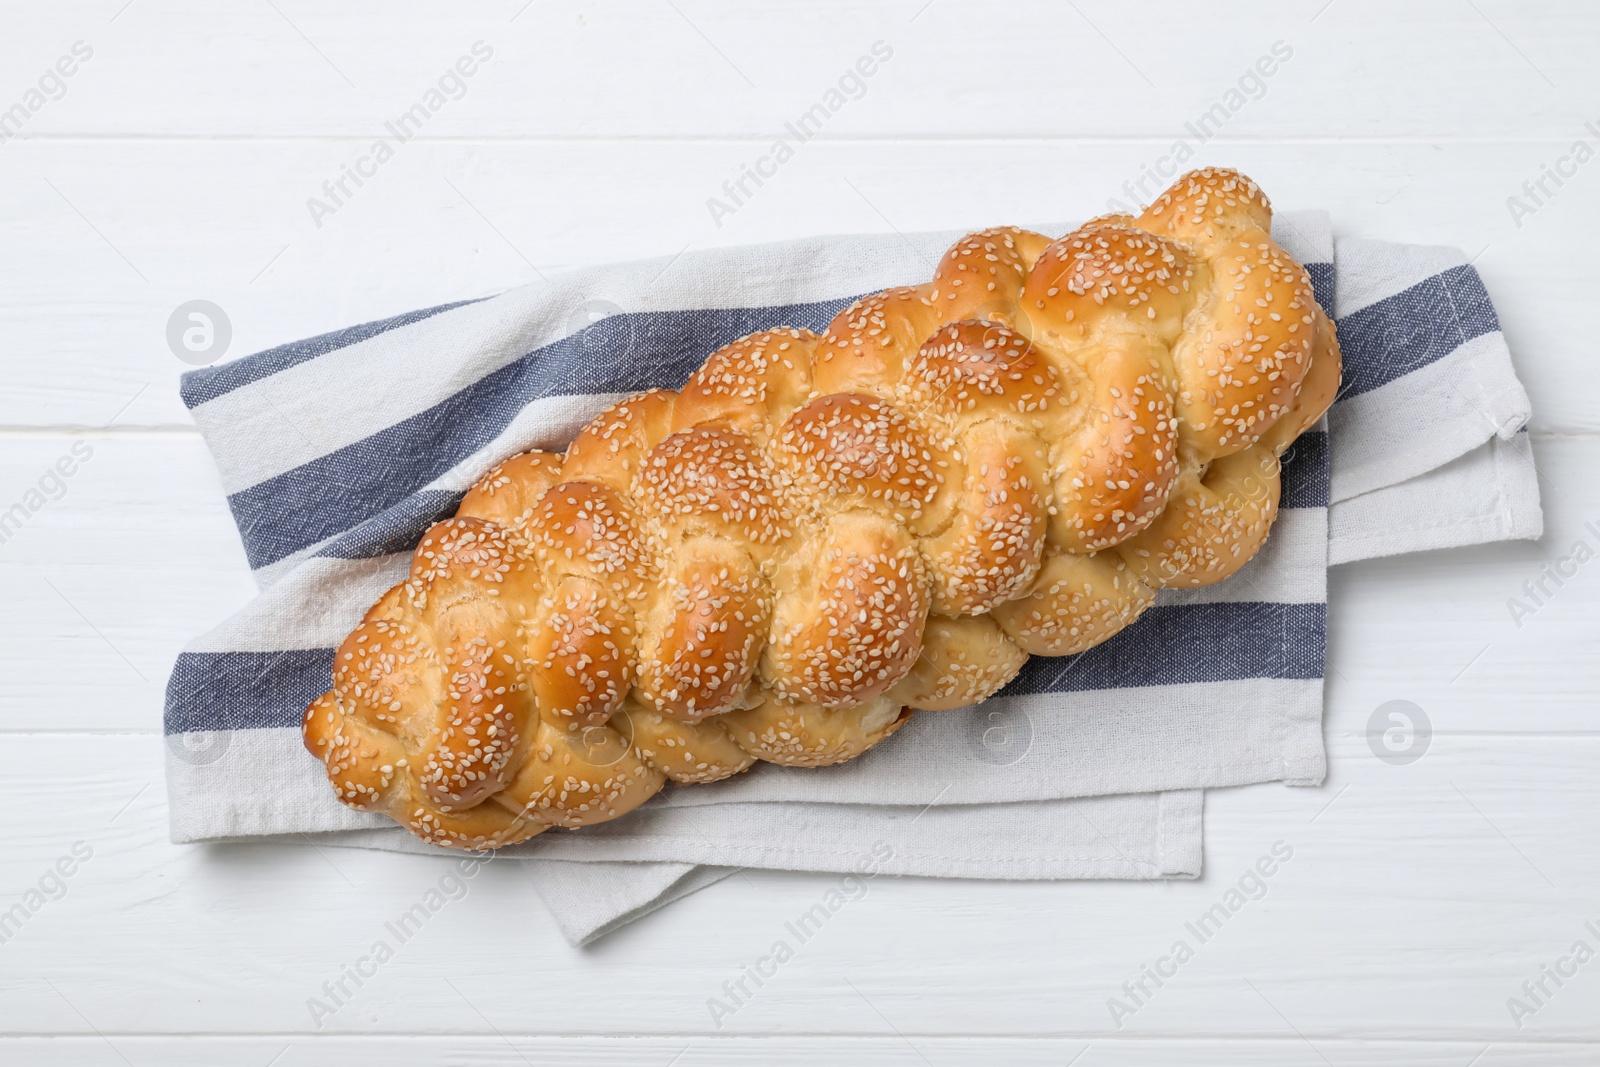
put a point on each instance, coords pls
(1425, 419)
(1489, 494)
(1142, 740)
(315, 606)
(254, 782)
(1127, 836)
(1386, 270)
(273, 573)
(591, 898)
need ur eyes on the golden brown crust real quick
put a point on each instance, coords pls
(715, 481)
(1241, 369)
(818, 534)
(1076, 602)
(574, 777)
(1115, 472)
(579, 652)
(689, 753)
(705, 632)
(865, 346)
(610, 449)
(990, 551)
(797, 734)
(584, 529)
(1145, 281)
(511, 490)
(1317, 389)
(963, 660)
(975, 368)
(850, 613)
(980, 275)
(750, 385)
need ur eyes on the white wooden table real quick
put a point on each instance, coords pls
(177, 162)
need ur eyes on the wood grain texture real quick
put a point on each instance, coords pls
(1453, 880)
(130, 558)
(510, 1049)
(164, 222)
(642, 69)
(178, 164)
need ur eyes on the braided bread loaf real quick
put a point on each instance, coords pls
(817, 535)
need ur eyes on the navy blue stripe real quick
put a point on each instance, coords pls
(1305, 472)
(1166, 646)
(1407, 331)
(1185, 644)
(208, 383)
(245, 690)
(395, 530)
(622, 353)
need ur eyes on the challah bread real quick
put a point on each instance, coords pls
(817, 535)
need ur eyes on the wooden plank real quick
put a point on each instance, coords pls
(518, 1050)
(696, 69)
(107, 571)
(1413, 903)
(107, 238)
(1485, 639)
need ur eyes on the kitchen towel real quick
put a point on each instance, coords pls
(338, 452)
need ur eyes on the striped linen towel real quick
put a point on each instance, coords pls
(338, 452)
